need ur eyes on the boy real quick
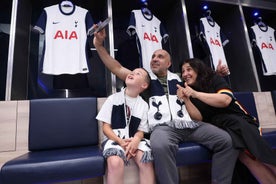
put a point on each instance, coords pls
(124, 117)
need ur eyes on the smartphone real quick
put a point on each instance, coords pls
(100, 25)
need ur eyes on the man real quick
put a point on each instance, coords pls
(170, 122)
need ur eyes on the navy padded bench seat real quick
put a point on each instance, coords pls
(63, 143)
(192, 153)
(270, 136)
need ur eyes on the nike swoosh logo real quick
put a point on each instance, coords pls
(55, 22)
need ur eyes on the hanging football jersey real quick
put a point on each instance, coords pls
(264, 38)
(65, 39)
(150, 33)
(215, 40)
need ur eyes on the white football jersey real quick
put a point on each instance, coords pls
(149, 32)
(65, 39)
(213, 36)
(265, 41)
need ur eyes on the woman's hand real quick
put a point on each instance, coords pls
(188, 91)
(219, 100)
(185, 92)
(179, 92)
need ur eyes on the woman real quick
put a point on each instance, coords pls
(210, 99)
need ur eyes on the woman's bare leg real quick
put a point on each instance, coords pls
(261, 172)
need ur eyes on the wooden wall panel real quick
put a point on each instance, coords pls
(22, 126)
(8, 117)
(265, 109)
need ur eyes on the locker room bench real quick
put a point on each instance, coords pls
(63, 143)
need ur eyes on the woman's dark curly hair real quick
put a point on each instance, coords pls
(204, 73)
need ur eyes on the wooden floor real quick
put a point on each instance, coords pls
(196, 174)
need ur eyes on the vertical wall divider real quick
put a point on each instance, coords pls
(188, 34)
(252, 60)
(11, 51)
(111, 43)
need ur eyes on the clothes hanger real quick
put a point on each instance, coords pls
(67, 3)
(260, 22)
(208, 16)
(262, 26)
(145, 9)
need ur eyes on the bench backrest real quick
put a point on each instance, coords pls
(248, 102)
(273, 95)
(62, 123)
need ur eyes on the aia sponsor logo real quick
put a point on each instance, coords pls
(267, 46)
(68, 35)
(215, 42)
(151, 37)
